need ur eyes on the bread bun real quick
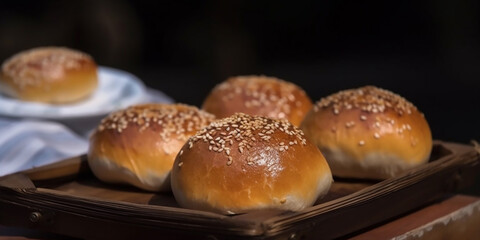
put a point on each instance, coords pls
(258, 95)
(244, 163)
(138, 145)
(368, 133)
(50, 75)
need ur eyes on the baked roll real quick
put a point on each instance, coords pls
(368, 133)
(244, 163)
(138, 145)
(258, 95)
(53, 75)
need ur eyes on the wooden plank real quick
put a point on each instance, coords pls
(457, 217)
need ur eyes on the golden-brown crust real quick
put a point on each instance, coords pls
(358, 124)
(242, 163)
(258, 95)
(49, 74)
(144, 141)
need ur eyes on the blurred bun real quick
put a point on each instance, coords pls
(258, 95)
(50, 75)
(243, 163)
(369, 133)
(138, 145)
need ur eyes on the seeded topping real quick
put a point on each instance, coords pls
(403, 128)
(262, 91)
(350, 124)
(176, 120)
(34, 66)
(241, 132)
(369, 99)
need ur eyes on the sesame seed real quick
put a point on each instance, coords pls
(363, 117)
(361, 143)
(376, 135)
(180, 164)
(413, 141)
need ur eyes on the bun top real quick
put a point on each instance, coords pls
(258, 95)
(44, 64)
(244, 131)
(169, 121)
(369, 99)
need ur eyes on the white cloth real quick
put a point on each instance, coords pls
(28, 143)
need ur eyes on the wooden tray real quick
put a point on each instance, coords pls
(66, 198)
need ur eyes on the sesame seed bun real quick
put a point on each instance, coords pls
(258, 95)
(138, 145)
(368, 133)
(243, 163)
(50, 75)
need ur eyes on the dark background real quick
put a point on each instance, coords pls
(427, 51)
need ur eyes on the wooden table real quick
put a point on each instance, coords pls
(456, 217)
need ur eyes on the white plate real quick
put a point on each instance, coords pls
(117, 89)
